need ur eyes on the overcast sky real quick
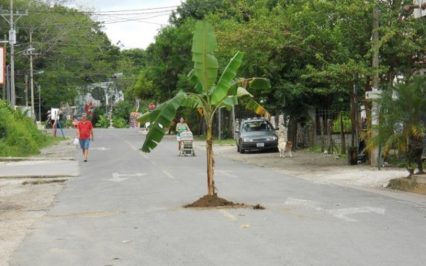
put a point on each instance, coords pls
(130, 34)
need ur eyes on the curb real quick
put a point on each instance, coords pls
(19, 159)
(37, 176)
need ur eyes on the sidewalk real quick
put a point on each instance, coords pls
(54, 161)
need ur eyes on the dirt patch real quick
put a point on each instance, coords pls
(208, 201)
(416, 184)
(20, 206)
(258, 207)
(6, 206)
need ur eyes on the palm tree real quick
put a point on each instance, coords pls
(403, 121)
(208, 97)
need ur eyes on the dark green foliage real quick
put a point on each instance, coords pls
(314, 52)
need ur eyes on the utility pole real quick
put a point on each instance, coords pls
(39, 102)
(12, 41)
(30, 53)
(26, 90)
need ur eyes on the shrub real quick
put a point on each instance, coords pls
(19, 136)
(119, 122)
(103, 122)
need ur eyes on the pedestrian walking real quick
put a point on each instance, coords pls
(84, 133)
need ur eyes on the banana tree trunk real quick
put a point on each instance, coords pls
(210, 161)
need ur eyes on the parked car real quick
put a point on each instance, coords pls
(256, 134)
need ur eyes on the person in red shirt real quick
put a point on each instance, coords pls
(84, 133)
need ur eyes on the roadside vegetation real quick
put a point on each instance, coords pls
(402, 127)
(317, 55)
(18, 134)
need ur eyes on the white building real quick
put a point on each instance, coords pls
(418, 12)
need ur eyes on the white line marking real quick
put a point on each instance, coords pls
(305, 203)
(116, 177)
(136, 149)
(168, 174)
(101, 149)
(131, 146)
(342, 213)
(228, 215)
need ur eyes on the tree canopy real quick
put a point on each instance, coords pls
(313, 51)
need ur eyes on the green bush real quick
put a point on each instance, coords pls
(19, 136)
(97, 113)
(119, 122)
(122, 110)
(103, 122)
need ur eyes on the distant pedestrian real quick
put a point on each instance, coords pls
(181, 127)
(84, 133)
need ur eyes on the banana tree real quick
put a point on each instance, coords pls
(208, 97)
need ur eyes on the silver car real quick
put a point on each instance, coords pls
(256, 134)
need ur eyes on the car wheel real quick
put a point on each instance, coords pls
(240, 148)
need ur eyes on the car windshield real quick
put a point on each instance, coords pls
(256, 126)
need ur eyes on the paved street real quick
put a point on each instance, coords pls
(125, 208)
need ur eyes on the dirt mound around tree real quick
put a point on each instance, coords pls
(213, 201)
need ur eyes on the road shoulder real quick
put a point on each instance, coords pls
(28, 187)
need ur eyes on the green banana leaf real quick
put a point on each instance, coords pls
(227, 79)
(205, 63)
(246, 99)
(230, 101)
(198, 87)
(161, 118)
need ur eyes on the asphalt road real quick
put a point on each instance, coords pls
(126, 209)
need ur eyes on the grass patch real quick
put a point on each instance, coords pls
(19, 135)
(336, 150)
(216, 141)
(315, 148)
(224, 142)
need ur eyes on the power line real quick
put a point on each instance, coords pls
(146, 10)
